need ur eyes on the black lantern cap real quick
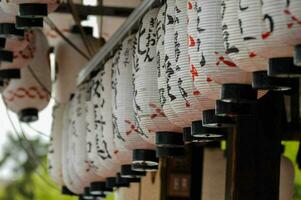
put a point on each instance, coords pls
(233, 109)
(10, 74)
(145, 158)
(122, 182)
(25, 22)
(262, 81)
(211, 120)
(238, 93)
(28, 115)
(205, 134)
(32, 10)
(66, 191)
(98, 188)
(6, 56)
(283, 67)
(170, 152)
(127, 172)
(10, 30)
(2, 42)
(111, 183)
(169, 139)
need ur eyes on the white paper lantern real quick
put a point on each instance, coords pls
(69, 63)
(216, 62)
(24, 51)
(163, 84)
(30, 94)
(12, 6)
(125, 127)
(55, 147)
(147, 97)
(262, 28)
(234, 40)
(80, 159)
(71, 179)
(101, 138)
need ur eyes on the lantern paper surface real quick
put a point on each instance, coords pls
(235, 39)
(69, 63)
(80, 160)
(12, 6)
(163, 79)
(55, 146)
(102, 152)
(147, 99)
(33, 89)
(293, 20)
(126, 129)
(216, 62)
(70, 178)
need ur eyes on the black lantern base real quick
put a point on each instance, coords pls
(121, 182)
(2, 42)
(99, 188)
(6, 56)
(283, 68)
(169, 139)
(111, 183)
(233, 109)
(66, 191)
(144, 168)
(170, 152)
(297, 55)
(10, 30)
(205, 134)
(262, 81)
(33, 10)
(28, 115)
(146, 159)
(10, 74)
(238, 93)
(127, 172)
(211, 120)
(26, 22)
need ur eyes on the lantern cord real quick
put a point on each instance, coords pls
(26, 150)
(37, 131)
(54, 27)
(82, 32)
(40, 83)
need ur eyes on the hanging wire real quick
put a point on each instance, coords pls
(28, 153)
(54, 27)
(37, 131)
(77, 20)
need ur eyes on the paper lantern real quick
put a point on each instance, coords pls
(70, 178)
(69, 63)
(28, 8)
(30, 94)
(263, 33)
(126, 128)
(82, 164)
(101, 138)
(292, 11)
(55, 146)
(22, 52)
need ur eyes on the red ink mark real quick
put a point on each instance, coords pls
(252, 54)
(31, 92)
(196, 92)
(223, 60)
(209, 79)
(191, 41)
(266, 35)
(194, 72)
(189, 5)
(187, 104)
(157, 111)
(293, 18)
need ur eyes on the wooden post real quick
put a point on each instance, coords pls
(253, 152)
